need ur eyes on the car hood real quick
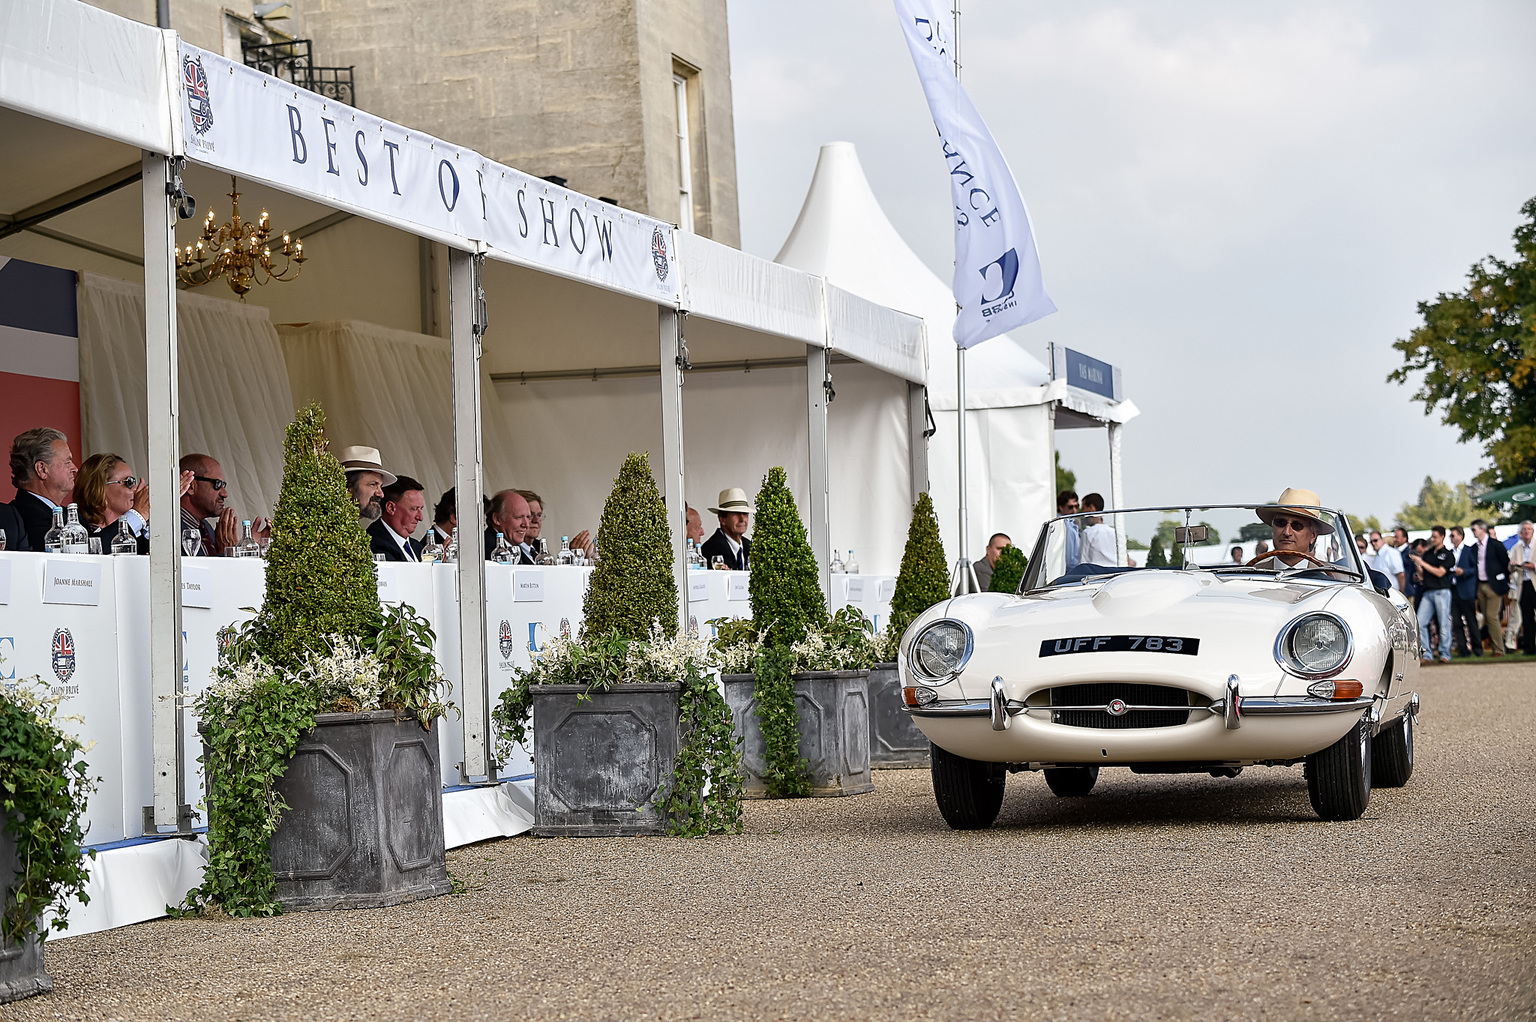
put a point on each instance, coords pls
(1235, 620)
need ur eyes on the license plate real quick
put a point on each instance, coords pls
(1120, 644)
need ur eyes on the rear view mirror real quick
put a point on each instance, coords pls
(1190, 533)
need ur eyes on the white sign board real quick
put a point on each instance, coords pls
(740, 587)
(196, 585)
(698, 586)
(72, 581)
(855, 589)
(5, 581)
(528, 585)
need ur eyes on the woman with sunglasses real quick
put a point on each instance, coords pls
(112, 498)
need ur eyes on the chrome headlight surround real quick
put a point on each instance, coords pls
(947, 624)
(1287, 659)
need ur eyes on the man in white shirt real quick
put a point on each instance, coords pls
(1099, 545)
(1388, 561)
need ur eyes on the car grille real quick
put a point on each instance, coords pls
(1134, 695)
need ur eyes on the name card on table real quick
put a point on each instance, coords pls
(196, 585)
(5, 580)
(855, 589)
(76, 582)
(739, 587)
(698, 587)
(528, 586)
(887, 589)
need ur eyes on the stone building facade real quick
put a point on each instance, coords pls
(629, 100)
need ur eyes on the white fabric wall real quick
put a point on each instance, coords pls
(1010, 474)
(234, 392)
(871, 490)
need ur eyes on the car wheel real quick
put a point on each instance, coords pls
(969, 792)
(1072, 782)
(1339, 777)
(1392, 754)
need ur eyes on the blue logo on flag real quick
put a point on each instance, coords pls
(194, 81)
(1007, 273)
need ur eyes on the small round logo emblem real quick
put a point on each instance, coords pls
(1117, 708)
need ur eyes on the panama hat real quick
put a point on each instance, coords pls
(732, 501)
(1290, 498)
(365, 459)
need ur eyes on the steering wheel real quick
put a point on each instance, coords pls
(1316, 560)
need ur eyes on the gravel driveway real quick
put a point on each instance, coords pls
(1156, 897)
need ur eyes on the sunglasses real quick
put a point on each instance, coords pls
(217, 484)
(128, 481)
(1293, 524)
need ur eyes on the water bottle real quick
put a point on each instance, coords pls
(502, 554)
(53, 542)
(248, 546)
(125, 543)
(837, 563)
(431, 550)
(74, 539)
(451, 551)
(695, 562)
(852, 566)
(566, 556)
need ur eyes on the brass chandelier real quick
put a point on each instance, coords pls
(238, 250)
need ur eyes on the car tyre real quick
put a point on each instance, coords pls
(1339, 777)
(1392, 754)
(1072, 782)
(969, 792)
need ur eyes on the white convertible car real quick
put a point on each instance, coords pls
(1302, 656)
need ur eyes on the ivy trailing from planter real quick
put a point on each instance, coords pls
(44, 785)
(320, 643)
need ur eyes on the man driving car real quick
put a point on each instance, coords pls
(1296, 530)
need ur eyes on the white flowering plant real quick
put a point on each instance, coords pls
(848, 642)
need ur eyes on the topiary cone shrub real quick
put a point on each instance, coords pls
(1156, 558)
(924, 576)
(633, 584)
(321, 579)
(1008, 572)
(785, 584)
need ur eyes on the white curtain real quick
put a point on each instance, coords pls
(393, 390)
(234, 397)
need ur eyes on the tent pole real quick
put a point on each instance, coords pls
(466, 325)
(166, 681)
(816, 382)
(673, 358)
(917, 443)
(1116, 494)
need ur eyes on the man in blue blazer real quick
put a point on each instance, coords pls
(390, 533)
(1464, 629)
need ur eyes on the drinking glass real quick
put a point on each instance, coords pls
(717, 562)
(2, 539)
(93, 545)
(191, 542)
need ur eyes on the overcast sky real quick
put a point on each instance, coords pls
(1240, 205)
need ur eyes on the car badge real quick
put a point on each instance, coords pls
(1117, 708)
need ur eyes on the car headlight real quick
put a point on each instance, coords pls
(940, 650)
(1315, 646)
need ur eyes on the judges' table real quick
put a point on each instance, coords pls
(82, 625)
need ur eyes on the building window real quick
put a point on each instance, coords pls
(684, 155)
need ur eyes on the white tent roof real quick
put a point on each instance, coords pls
(843, 235)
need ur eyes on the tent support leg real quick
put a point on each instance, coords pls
(1116, 493)
(673, 357)
(166, 680)
(816, 407)
(917, 443)
(467, 324)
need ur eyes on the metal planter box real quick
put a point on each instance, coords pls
(602, 759)
(364, 824)
(21, 965)
(834, 731)
(895, 743)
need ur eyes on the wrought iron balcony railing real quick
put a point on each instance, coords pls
(294, 62)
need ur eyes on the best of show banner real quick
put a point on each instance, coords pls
(255, 126)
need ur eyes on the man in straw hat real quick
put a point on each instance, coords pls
(730, 542)
(1297, 526)
(366, 479)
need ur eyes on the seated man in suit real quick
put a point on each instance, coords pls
(366, 480)
(43, 472)
(509, 515)
(390, 534)
(730, 542)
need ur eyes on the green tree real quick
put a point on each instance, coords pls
(1442, 504)
(1477, 351)
(1255, 530)
(1066, 479)
(633, 584)
(321, 579)
(1156, 558)
(1363, 527)
(924, 576)
(785, 584)
(1008, 571)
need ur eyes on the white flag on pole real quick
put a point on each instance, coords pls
(997, 268)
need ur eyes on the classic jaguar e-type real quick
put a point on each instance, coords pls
(1299, 655)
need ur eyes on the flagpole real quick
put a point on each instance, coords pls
(965, 575)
